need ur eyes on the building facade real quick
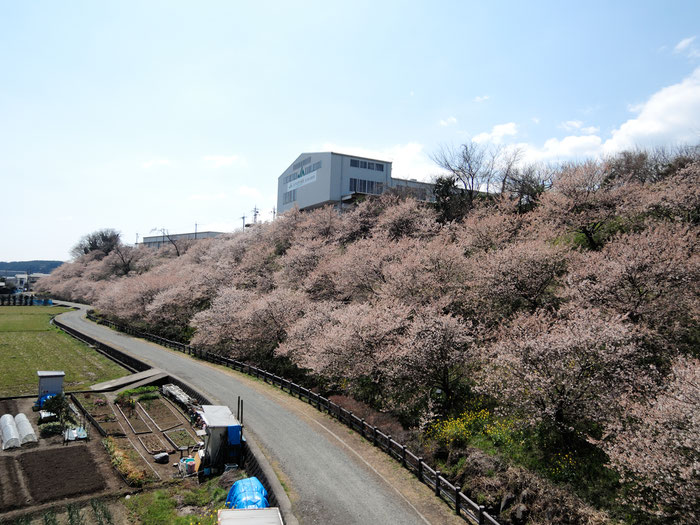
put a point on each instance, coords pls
(156, 241)
(328, 178)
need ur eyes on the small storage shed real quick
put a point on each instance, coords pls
(24, 427)
(50, 382)
(9, 432)
(268, 516)
(223, 432)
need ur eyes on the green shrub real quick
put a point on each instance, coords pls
(147, 396)
(50, 429)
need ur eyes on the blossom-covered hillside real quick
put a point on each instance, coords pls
(555, 342)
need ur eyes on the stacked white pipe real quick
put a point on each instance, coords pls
(26, 432)
(9, 432)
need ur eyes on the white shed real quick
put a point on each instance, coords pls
(223, 429)
(50, 382)
(268, 516)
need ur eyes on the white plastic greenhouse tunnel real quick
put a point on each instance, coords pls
(24, 427)
(9, 432)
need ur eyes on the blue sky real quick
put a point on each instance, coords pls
(143, 115)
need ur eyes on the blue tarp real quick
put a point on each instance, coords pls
(40, 402)
(247, 493)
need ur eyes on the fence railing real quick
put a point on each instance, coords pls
(451, 494)
(23, 300)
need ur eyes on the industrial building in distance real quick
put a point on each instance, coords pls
(328, 178)
(162, 239)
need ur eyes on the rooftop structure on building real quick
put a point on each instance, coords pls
(328, 178)
(156, 241)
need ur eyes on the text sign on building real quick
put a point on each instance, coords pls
(306, 179)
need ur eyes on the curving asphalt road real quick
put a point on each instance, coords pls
(328, 482)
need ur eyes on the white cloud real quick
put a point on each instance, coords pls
(219, 161)
(481, 99)
(409, 161)
(684, 44)
(449, 121)
(156, 162)
(571, 125)
(687, 46)
(497, 133)
(208, 197)
(670, 116)
(570, 147)
(577, 126)
(536, 120)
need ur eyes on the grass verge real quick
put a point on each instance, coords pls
(29, 343)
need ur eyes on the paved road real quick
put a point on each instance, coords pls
(329, 484)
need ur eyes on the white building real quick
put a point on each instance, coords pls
(156, 241)
(319, 179)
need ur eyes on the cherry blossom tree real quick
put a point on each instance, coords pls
(407, 218)
(656, 447)
(246, 325)
(430, 362)
(580, 202)
(650, 277)
(564, 372)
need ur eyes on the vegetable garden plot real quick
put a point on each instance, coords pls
(180, 438)
(96, 404)
(59, 473)
(153, 444)
(129, 463)
(162, 414)
(11, 493)
(136, 421)
(112, 428)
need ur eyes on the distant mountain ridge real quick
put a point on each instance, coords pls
(36, 266)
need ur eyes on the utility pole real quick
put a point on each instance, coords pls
(243, 221)
(195, 231)
(255, 214)
(274, 213)
(137, 240)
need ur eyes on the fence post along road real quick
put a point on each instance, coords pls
(461, 504)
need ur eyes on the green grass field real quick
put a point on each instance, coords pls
(29, 343)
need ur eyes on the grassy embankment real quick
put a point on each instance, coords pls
(29, 343)
(160, 507)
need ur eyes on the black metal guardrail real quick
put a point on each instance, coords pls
(451, 494)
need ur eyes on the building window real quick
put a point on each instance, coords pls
(301, 163)
(354, 163)
(363, 164)
(366, 186)
(289, 196)
(379, 167)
